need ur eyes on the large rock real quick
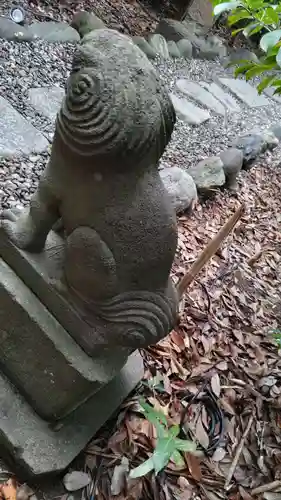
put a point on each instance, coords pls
(173, 30)
(53, 32)
(232, 160)
(251, 145)
(174, 49)
(185, 48)
(209, 48)
(276, 130)
(188, 112)
(14, 32)
(236, 55)
(144, 46)
(199, 94)
(46, 100)
(208, 175)
(18, 136)
(159, 44)
(181, 188)
(85, 22)
(201, 11)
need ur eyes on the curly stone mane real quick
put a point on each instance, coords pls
(115, 107)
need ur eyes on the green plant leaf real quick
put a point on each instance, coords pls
(276, 83)
(252, 27)
(142, 469)
(165, 448)
(277, 91)
(242, 69)
(265, 83)
(257, 29)
(177, 458)
(258, 70)
(241, 14)
(278, 58)
(268, 16)
(174, 431)
(185, 445)
(157, 418)
(223, 7)
(234, 32)
(270, 39)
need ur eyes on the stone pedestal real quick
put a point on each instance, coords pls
(47, 381)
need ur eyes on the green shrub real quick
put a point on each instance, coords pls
(259, 17)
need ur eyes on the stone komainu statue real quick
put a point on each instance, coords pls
(102, 180)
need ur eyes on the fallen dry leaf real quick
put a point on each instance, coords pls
(8, 490)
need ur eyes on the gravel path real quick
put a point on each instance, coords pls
(24, 66)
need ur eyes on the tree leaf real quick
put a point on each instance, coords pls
(243, 68)
(119, 477)
(216, 385)
(76, 480)
(142, 469)
(201, 434)
(241, 14)
(177, 458)
(193, 464)
(225, 6)
(185, 445)
(278, 58)
(257, 70)
(249, 30)
(265, 83)
(165, 448)
(270, 39)
(268, 16)
(234, 32)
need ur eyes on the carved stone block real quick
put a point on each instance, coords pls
(30, 443)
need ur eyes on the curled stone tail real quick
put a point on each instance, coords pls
(144, 317)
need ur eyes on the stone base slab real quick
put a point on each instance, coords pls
(36, 270)
(30, 444)
(39, 357)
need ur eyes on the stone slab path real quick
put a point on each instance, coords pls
(244, 91)
(17, 135)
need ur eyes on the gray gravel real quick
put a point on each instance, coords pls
(25, 65)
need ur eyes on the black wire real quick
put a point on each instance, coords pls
(215, 427)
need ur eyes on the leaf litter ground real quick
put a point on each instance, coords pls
(218, 373)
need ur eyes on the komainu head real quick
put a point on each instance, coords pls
(116, 110)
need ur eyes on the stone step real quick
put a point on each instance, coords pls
(188, 112)
(227, 100)
(201, 95)
(46, 100)
(244, 91)
(269, 92)
(18, 136)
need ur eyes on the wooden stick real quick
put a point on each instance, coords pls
(266, 487)
(209, 251)
(238, 452)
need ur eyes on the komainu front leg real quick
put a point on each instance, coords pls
(29, 228)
